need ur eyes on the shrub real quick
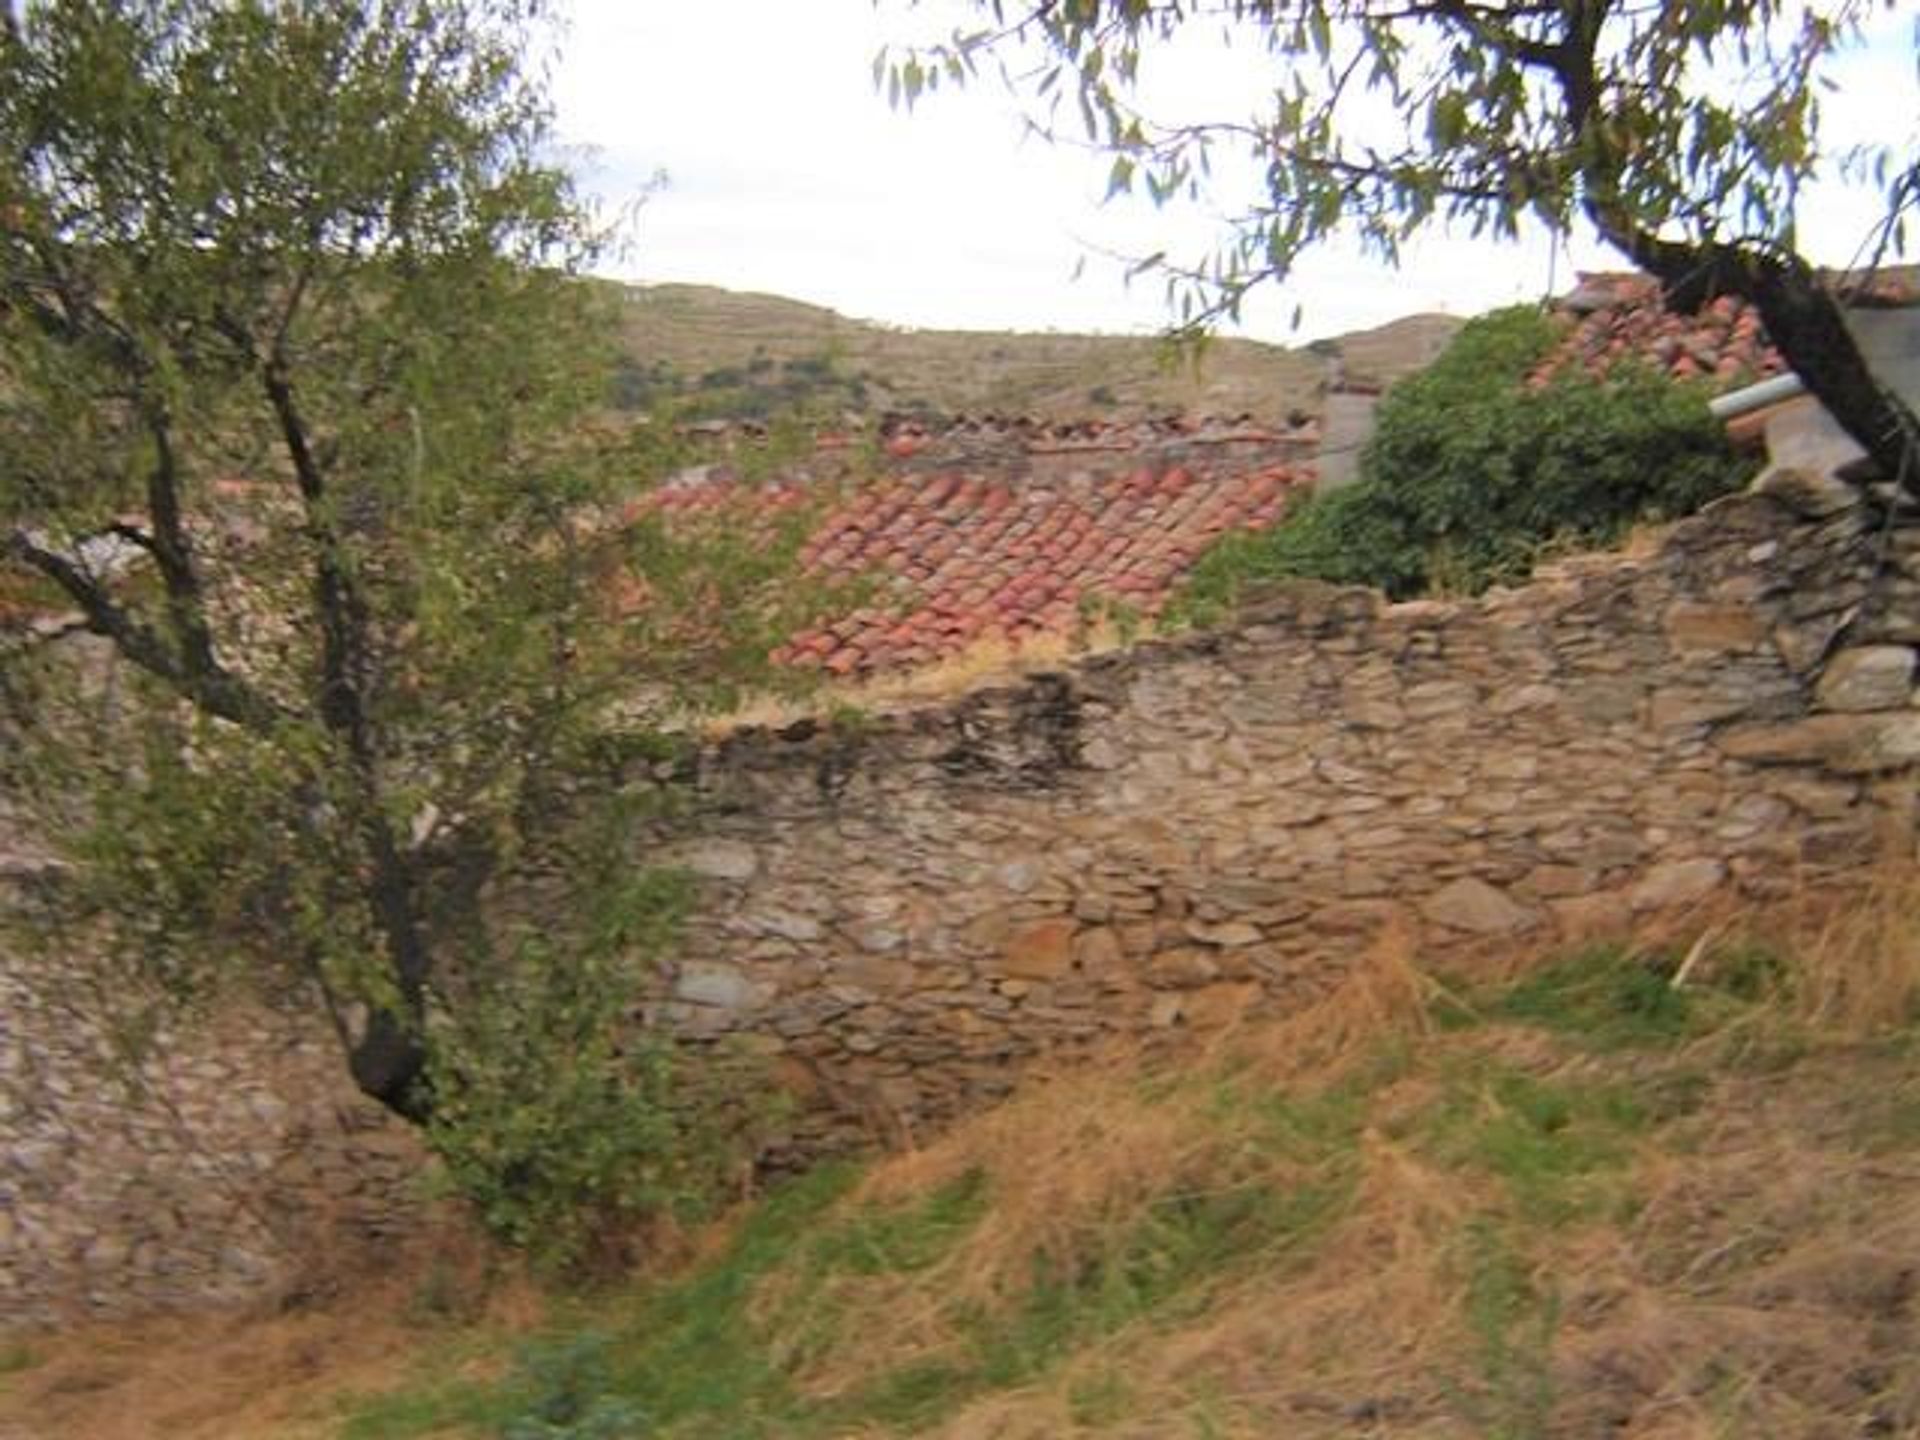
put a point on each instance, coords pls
(1471, 475)
(555, 1117)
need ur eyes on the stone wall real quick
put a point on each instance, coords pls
(1207, 828)
(218, 1170)
(904, 912)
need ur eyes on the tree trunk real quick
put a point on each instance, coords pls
(388, 1063)
(1804, 321)
(389, 1059)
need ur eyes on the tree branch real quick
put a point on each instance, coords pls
(389, 1060)
(214, 689)
(172, 552)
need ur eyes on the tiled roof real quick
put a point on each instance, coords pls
(1004, 530)
(967, 557)
(1620, 316)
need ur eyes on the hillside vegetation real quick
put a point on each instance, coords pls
(727, 353)
(1663, 1189)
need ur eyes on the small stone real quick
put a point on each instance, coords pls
(721, 860)
(1095, 951)
(1477, 907)
(1019, 876)
(707, 982)
(1806, 645)
(1678, 882)
(787, 925)
(1533, 696)
(877, 939)
(1040, 950)
(1714, 629)
(1677, 707)
(1228, 934)
(1867, 677)
(1165, 1011)
(1182, 969)
(1555, 881)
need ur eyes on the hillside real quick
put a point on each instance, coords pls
(724, 348)
(1665, 1189)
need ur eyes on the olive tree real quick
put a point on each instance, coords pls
(1684, 132)
(298, 388)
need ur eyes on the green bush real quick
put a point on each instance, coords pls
(556, 1117)
(1472, 475)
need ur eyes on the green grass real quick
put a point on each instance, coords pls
(1512, 1318)
(15, 1359)
(1556, 1146)
(1607, 997)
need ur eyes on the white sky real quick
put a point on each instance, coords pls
(787, 173)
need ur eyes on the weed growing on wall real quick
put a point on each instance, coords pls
(1472, 476)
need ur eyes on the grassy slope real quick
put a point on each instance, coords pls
(698, 329)
(1586, 1201)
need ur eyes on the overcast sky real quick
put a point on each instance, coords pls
(787, 173)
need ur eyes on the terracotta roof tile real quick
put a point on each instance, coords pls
(1615, 316)
(1006, 527)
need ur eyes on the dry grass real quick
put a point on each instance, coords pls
(1077, 1165)
(991, 660)
(1857, 950)
(273, 1371)
(698, 329)
(1763, 1282)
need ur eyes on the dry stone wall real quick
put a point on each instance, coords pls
(222, 1167)
(903, 914)
(1208, 828)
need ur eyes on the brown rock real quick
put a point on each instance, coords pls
(1095, 951)
(1675, 706)
(1714, 629)
(1806, 645)
(1849, 744)
(1478, 908)
(1182, 969)
(1678, 882)
(1867, 677)
(1554, 881)
(1040, 950)
(1227, 934)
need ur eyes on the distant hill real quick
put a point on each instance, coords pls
(728, 353)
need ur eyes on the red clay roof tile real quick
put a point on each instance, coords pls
(1615, 316)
